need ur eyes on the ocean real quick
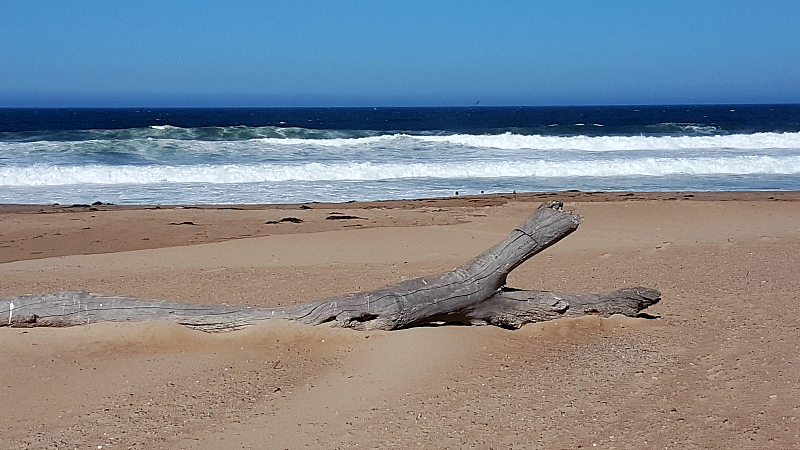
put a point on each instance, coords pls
(295, 155)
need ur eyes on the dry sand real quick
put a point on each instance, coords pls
(718, 368)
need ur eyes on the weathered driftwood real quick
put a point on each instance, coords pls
(63, 309)
(473, 293)
(508, 308)
(513, 308)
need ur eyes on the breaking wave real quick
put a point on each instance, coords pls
(44, 175)
(617, 143)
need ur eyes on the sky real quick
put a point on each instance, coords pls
(397, 53)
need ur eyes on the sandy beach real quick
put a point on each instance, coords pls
(713, 365)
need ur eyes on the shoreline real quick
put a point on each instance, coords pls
(576, 195)
(43, 231)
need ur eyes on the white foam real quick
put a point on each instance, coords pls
(510, 141)
(388, 147)
(52, 175)
(617, 143)
(333, 142)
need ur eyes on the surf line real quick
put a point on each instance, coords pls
(10, 311)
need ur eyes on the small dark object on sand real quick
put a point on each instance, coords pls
(285, 219)
(342, 217)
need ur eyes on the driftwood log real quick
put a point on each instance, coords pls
(474, 293)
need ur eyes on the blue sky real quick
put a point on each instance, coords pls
(402, 53)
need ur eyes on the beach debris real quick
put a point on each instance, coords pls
(340, 216)
(285, 219)
(473, 293)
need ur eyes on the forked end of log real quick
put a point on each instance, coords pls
(513, 308)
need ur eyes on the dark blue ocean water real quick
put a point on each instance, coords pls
(278, 155)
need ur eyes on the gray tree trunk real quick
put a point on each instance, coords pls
(473, 293)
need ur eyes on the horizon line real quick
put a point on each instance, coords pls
(563, 105)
